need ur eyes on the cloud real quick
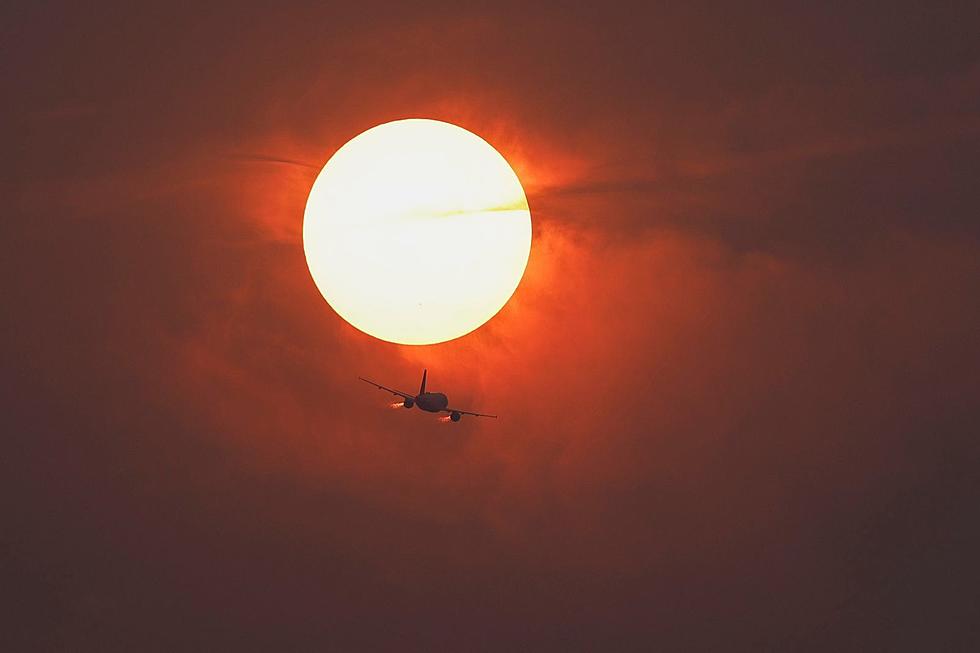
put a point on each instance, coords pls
(736, 384)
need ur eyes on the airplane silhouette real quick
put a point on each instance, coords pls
(432, 402)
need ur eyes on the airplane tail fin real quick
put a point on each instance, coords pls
(422, 389)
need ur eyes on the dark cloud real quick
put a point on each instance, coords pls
(737, 383)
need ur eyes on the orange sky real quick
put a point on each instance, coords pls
(736, 385)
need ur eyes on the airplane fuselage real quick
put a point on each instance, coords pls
(432, 402)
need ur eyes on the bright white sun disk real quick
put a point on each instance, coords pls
(417, 231)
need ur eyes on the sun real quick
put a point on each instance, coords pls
(417, 231)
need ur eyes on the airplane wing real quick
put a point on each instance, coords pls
(401, 394)
(466, 412)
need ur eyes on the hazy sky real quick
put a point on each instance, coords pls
(737, 385)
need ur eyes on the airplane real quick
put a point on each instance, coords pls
(432, 402)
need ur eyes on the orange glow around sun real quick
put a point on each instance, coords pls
(417, 231)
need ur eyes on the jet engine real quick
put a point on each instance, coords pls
(408, 403)
(455, 416)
